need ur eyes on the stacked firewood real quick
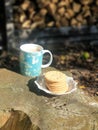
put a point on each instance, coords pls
(32, 14)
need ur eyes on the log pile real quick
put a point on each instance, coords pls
(30, 14)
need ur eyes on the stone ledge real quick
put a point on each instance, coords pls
(76, 111)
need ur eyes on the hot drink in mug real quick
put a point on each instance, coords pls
(31, 57)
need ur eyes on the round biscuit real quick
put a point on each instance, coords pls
(54, 76)
(57, 89)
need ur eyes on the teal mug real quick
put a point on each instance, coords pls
(31, 57)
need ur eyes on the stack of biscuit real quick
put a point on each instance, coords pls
(55, 81)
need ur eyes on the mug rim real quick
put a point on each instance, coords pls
(23, 47)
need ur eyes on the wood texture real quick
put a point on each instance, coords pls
(50, 13)
(18, 120)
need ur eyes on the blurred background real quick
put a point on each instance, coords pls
(49, 23)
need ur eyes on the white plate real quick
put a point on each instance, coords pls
(72, 85)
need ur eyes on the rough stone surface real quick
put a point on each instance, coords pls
(20, 98)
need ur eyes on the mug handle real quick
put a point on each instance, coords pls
(50, 61)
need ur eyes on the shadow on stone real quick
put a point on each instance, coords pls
(33, 88)
(17, 120)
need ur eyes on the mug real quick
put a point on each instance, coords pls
(31, 57)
